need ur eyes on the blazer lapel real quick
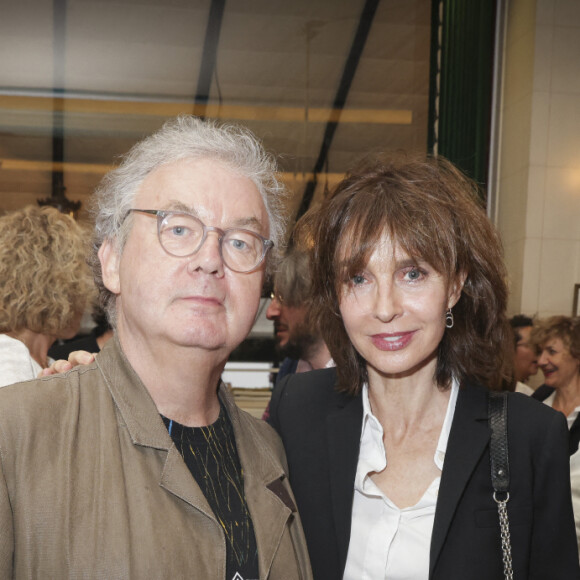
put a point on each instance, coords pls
(145, 426)
(271, 506)
(574, 438)
(265, 485)
(177, 480)
(467, 441)
(343, 436)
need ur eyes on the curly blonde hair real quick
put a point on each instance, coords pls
(565, 328)
(45, 282)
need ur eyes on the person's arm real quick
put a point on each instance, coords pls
(554, 550)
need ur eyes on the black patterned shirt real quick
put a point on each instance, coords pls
(211, 455)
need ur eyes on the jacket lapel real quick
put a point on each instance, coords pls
(265, 485)
(177, 480)
(269, 501)
(146, 427)
(467, 441)
(271, 507)
(343, 436)
(574, 437)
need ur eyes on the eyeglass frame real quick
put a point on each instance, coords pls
(276, 296)
(163, 214)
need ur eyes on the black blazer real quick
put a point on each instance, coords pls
(542, 393)
(321, 428)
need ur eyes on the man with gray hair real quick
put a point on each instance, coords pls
(140, 465)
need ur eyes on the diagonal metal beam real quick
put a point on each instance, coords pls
(348, 73)
(58, 59)
(209, 56)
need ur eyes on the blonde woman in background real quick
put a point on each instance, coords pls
(45, 285)
(557, 341)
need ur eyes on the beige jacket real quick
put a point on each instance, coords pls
(91, 485)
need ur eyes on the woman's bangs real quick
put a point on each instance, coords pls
(358, 239)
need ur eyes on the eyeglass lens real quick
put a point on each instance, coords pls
(182, 235)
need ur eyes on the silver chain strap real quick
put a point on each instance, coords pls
(506, 544)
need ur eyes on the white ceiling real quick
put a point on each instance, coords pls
(127, 65)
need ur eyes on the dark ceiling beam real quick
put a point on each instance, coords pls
(58, 60)
(57, 197)
(209, 56)
(348, 73)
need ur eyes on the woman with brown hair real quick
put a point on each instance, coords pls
(389, 454)
(45, 284)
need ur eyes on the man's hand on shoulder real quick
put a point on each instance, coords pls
(75, 358)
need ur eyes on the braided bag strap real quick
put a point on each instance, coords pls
(500, 472)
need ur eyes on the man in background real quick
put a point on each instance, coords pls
(525, 357)
(296, 335)
(298, 339)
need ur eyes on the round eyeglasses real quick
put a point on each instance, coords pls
(276, 296)
(182, 234)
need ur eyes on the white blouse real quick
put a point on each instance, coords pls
(16, 364)
(574, 468)
(385, 541)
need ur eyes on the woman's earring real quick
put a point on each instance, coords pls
(449, 319)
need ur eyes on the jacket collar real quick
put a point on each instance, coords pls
(265, 482)
(467, 441)
(343, 427)
(132, 398)
(468, 438)
(269, 500)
